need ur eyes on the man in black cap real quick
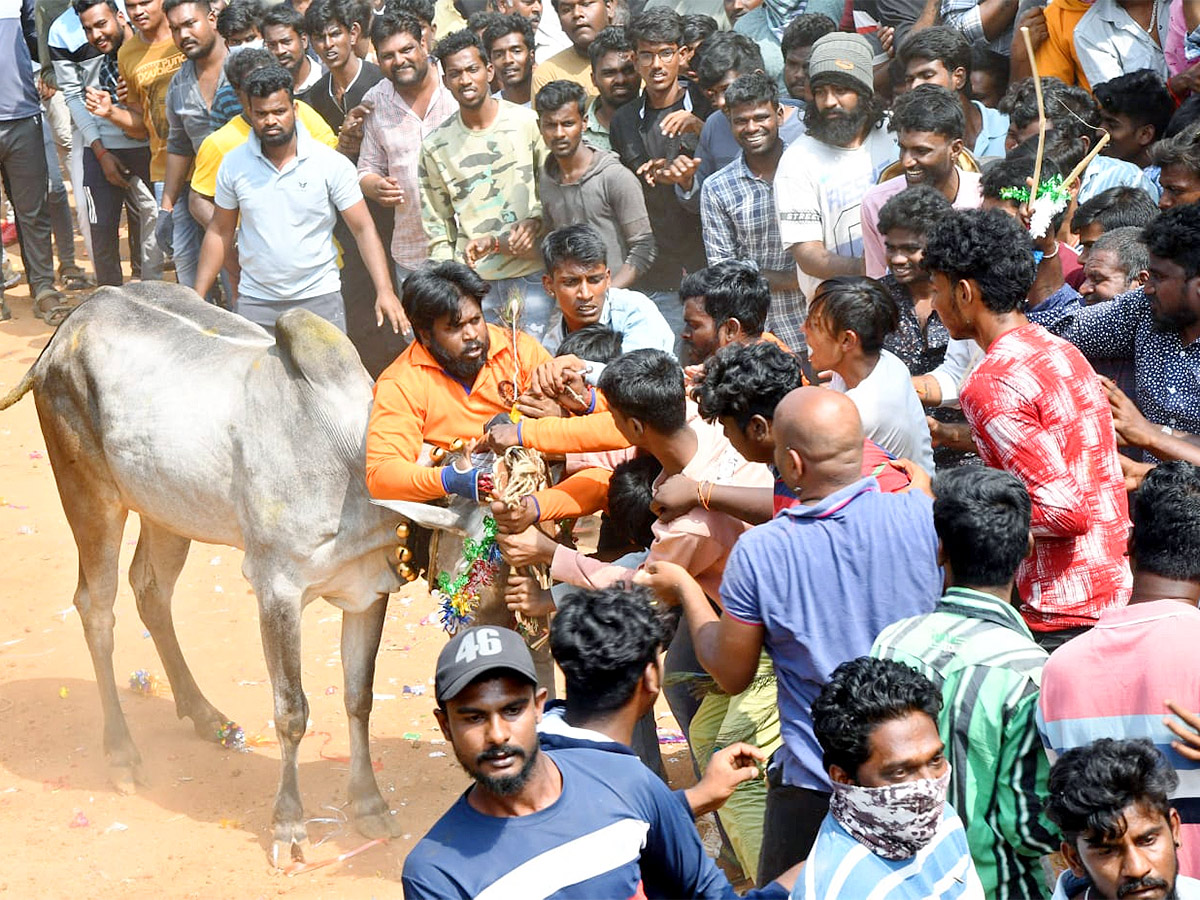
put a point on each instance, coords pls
(563, 823)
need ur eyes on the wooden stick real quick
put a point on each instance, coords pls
(1083, 163)
(1037, 86)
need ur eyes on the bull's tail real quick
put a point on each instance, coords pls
(23, 387)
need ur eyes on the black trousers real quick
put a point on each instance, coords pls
(790, 826)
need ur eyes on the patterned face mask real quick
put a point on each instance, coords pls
(893, 821)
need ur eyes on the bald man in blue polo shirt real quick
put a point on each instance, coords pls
(288, 190)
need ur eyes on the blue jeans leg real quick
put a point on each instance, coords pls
(186, 238)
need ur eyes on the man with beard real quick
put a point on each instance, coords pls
(582, 21)
(824, 174)
(287, 189)
(615, 76)
(408, 104)
(190, 97)
(116, 157)
(1157, 326)
(478, 172)
(737, 206)
(1121, 834)
(571, 823)
(928, 122)
(581, 185)
(509, 43)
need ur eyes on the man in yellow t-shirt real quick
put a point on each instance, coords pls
(581, 21)
(147, 62)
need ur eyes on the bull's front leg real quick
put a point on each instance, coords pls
(279, 622)
(361, 633)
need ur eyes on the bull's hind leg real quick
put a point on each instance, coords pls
(361, 633)
(157, 562)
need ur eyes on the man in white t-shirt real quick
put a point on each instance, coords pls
(848, 318)
(824, 173)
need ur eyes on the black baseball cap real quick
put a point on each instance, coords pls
(478, 651)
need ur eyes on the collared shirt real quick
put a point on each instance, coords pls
(631, 314)
(1104, 172)
(737, 209)
(188, 113)
(840, 868)
(1142, 654)
(993, 132)
(285, 237)
(822, 581)
(1037, 410)
(965, 16)
(1167, 372)
(417, 401)
(980, 654)
(1110, 43)
(391, 146)
(480, 183)
(595, 133)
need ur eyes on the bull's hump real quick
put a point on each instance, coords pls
(319, 351)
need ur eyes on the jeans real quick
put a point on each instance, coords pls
(538, 304)
(186, 236)
(60, 204)
(104, 203)
(23, 167)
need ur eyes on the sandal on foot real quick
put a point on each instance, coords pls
(51, 308)
(75, 279)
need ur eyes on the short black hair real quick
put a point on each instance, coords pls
(982, 517)
(859, 304)
(1185, 117)
(725, 52)
(860, 695)
(1127, 244)
(753, 89)
(1141, 96)
(1182, 150)
(239, 65)
(1092, 786)
(732, 289)
(928, 107)
(1175, 235)
(82, 6)
(506, 25)
(658, 25)
(647, 385)
(943, 44)
(1069, 109)
(458, 41)
(169, 5)
(595, 343)
(804, 31)
(481, 21)
(603, 640)
(698, 27)
(991, 63)
(239, 16)
(346, 13)
(268, 80)
(917, 208)
(630, 495)
(282, 15)
(988, 246)
(437, 290)
(1166, 522)
(613, 39)
(746, 380)
(392, 22)
(424, 10)
(1116, 207)
(556, 94)
(580, 244)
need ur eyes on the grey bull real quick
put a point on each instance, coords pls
(152, 401)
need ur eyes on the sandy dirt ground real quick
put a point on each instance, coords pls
(202, 826)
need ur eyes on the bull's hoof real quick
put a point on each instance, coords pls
(127, 778)
(288, 845)
(207, 721)
(378, 825)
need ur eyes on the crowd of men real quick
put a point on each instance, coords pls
(885, 386)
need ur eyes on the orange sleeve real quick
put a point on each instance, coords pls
(1056, 56)
(580, 434)
(394, 443)
(580, 494)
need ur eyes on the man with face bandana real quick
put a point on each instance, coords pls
(889, 832)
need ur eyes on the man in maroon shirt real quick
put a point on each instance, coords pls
(1037, 410)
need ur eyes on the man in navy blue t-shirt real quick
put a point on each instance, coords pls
(555, 824)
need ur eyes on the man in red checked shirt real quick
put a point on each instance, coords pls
(1037, 410)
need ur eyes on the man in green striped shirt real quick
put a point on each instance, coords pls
(978, 650)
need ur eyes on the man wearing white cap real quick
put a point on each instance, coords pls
(824, 173)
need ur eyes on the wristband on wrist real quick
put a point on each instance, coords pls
(465, 484)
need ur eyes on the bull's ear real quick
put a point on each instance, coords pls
(455, 518)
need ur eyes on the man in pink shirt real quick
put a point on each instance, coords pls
(929, 127)
(1037, 410)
